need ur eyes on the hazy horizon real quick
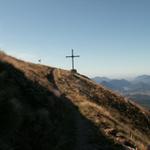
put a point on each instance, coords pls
(126, 77)
(112, 37)
(111, 76)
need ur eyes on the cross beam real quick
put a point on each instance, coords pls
(72, 56)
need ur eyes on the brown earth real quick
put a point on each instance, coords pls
(43, 108)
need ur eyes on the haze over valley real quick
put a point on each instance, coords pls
(137, 89)
(49, 52)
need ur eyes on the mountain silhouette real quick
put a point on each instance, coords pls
(137, 89)
(43, 108)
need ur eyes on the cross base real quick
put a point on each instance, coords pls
(74, 71)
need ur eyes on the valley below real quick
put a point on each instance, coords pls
(137, 89)
(43, 108)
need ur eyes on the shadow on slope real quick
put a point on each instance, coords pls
(32, 117)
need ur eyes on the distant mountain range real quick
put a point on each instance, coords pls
(137, 89)
(45, 108)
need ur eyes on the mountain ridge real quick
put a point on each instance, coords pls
(75, 111)
(135, 89)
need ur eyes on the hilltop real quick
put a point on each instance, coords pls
(44, 108)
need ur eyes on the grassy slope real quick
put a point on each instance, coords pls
(114, 115)
(65, 110)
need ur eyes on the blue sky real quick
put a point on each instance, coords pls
(112, 36)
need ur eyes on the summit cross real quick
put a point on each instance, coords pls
(72, 56)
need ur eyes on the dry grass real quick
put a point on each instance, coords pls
(106, 109)
(117, 118)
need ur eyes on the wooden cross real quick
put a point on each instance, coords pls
(72, 56)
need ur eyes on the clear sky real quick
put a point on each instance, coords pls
(112, 36)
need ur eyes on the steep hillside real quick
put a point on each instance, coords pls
(44, 108)
(137, 89)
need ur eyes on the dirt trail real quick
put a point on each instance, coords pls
(87, 136)
(79, 114)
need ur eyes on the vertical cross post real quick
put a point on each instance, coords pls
(72, 57)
